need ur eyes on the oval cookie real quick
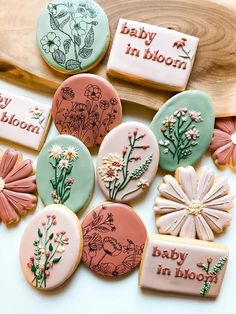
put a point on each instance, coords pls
(87, 107)
(65, 173)
(72, 36)
(183, 127)
(127, 161)
(114, 238)
(51, 247)
(17, 186)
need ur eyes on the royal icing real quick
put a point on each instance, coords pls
(152, 55)
(111, 247)
(23, 120)
(51, 247)
(88, 112)
(72, 36)
(127, 161)
(65, 173)
(183, 127)
(184, 266)
(17, 186)
(223, 142)
(193, 205)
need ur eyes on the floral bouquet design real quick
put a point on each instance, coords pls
(62, 164)
(48, 250)
(180, 44)
(37, 113)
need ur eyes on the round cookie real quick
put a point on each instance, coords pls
(65, 173)
(17, 186)
(72, 35)
(114, 238)
(87, 107)
(127, 161)
(51, 247)
(183, 127)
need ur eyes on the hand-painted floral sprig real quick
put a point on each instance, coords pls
(212, 272)
(115, 167)
(180, 44)
(48, 250)
(38, 114)
(63, 158)
(180, 133)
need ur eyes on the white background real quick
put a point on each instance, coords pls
(86, 293)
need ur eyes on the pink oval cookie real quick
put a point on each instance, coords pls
(51, 247)
(114, 238)
(87, 107)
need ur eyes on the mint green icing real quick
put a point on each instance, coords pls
(65, 173)
(72, 35)
(183, 127)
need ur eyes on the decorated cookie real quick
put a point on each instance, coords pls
(183, 127)
(65, 173)
(51, 247)
(72, 35)
(193, 205)
(184, 266)
(114, 238)
(23, 120)
(151, 55)
(127, 161)
(87, 107)
(17, 186)
(224, 141)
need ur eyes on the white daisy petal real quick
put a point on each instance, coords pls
(172, 223)
(216, 219)
(188, 229)
(205, 180)
(164, 206)
(219, 188)
(188, 180)
(224, 203)
(171, 189)
(203, 229)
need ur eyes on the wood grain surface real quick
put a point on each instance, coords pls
(214, 70)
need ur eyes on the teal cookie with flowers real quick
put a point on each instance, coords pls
(72, 35)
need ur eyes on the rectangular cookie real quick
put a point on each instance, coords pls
(153, 56)
(181, 265)
(23, 120)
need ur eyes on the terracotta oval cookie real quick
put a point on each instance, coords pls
(184, 126)
(72, 35)
(127, 161)
(114, 238)
(65, 173)
(51, 247)
(87, 107)
(17, 186)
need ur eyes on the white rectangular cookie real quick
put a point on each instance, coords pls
(23, 120)
(181, 265)
(152, 55)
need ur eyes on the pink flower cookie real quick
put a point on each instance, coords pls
(224, 141)
(193, 205)
(17, 186)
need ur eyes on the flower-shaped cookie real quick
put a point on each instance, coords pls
(223, 144)
(17, 186)
(193, 205)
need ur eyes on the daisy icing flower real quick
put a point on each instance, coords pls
(36, 111)
(195, 116)
(181, 112)
(55, 151)
(169, 121)
(71, 153)
(107, 173)
(64, 164)
(114, 161)
(192, 134)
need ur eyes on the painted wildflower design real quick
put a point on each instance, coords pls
(181, 44)
(115, 170)
(37, 113)
(62, 159)
(213, 271)
(180, 133)
(48, 250)
(76, 22)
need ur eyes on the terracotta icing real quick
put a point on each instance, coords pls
(193, 205)
(88, 112)
(127, 161)
(51, 247)
(17, 186)
(23, 120)
(183, 266)
(152, 55)
(114, 238)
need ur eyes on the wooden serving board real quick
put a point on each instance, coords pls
(214, 70)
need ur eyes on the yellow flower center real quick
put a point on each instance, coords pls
(233, 138)
(195, 207)
(2, 184)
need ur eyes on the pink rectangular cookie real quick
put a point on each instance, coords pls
(181, 265)
(152, 55)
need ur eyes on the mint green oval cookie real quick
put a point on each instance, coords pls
(72, 35)
(65, 173)
(183, 127)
